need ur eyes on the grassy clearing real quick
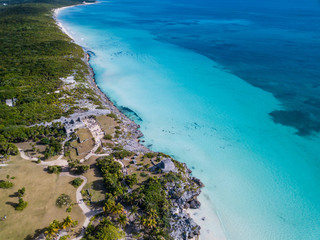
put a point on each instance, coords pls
(84, 134)
(95, 183)
(42, 190)
(107, 124)
(142, 166)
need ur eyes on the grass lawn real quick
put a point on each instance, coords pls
(141, 162)
(107, 124)
(95, 183)
(84, 134)
(42, 190)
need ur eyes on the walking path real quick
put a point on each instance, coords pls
(24, 156)
(86, 211)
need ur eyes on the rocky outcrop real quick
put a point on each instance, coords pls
(183, 227)
(184, 193)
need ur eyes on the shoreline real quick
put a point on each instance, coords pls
(137, 134)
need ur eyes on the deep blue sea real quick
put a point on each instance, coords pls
(230, 87)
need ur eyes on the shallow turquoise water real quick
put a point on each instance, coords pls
(261, 178)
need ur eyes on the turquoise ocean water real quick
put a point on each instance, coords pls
(230, 88)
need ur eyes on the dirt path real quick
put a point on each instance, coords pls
(24, 156)
(86, 211)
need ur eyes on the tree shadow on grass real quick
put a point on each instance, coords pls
(36, 234)
(13, 204)
(98, 185)
(14, 195)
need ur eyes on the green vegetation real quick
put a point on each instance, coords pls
(63, 200)
(107, 137)
(54, 169)
(131, 180)
(6, 147)
(55, 226)
(35, 59)
(21, 205)
(76, 182)
(150, 155)
(21, 192)
(121, 154)
(112, 115)
(105, 230)
(6, 184)
(80, 168)
(149, 196)
(112, 175)
(143, 174)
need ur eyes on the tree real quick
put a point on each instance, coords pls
(118, 209)
(80, 169)
(21, 205)
(109, 232)
(109, 206)
(107, 137)
(131, 180)
(148, 223)
(67, 223)
(6, 184)
(133, 210)
(45, 141)
(21, 192)
(63, 200)
(54, 169)
(76, 182)
(52, 230)
(122, 220)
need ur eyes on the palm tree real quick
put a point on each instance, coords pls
(153, 214)
(140, 199)
(109, 206)
(117, 209)
(122, 220)
(149, 222)
(52, 230)
(67, 222)
(133, 210)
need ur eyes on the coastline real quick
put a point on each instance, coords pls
(184, 211)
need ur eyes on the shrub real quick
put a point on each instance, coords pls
(107, 137)
(6, 184)
(150, 155)
(21, 192)
(21, 205)
(45, 141)
(54, 169)
(143, 174)
(69, 209)
(76, 182)
(65, 237)
(63, 200)
(112, 115)
(131, 180)
(122, 154)
(79, 169)
(117, 148)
